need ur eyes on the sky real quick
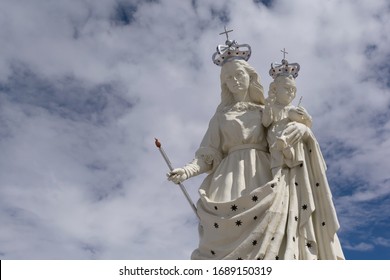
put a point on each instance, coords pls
(86, 86)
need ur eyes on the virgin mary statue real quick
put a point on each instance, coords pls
(246, 211)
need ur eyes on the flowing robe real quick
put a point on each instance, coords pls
(246, 212)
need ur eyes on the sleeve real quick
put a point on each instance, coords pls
(209, 154)
(210, 150)
(267, 117)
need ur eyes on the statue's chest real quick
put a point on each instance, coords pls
(244, 123)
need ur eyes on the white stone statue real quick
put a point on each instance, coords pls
(279, 113)
(246, 211)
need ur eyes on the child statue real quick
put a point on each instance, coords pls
(279, 113)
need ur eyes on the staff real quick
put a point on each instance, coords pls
(164, 155)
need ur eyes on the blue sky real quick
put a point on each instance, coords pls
(85, 86)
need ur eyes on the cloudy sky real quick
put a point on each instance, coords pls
(85, 86)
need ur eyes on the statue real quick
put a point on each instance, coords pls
(279, 113)
(253, 206)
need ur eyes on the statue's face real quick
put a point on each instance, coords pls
(284, 90)
(236, 79)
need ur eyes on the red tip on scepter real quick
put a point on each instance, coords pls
(158, 144)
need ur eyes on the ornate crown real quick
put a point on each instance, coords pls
(230, 51)
(285, 68)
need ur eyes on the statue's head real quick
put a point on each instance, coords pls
(240, 82)
(283, 89)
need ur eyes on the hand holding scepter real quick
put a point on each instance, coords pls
(164, 155)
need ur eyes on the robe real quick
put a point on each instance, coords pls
(245, 211)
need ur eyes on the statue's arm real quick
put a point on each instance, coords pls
(306, 118)
(207, 158)
(267, 117)
(192, 169)
(296, 132)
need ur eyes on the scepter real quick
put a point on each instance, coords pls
(183, 189)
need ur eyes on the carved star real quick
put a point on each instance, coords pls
(255, 218)
(308, 244)
(216, 225)
(239, 258)
(255, 198)
(272, 185)
(254, 242)
(238, 223)
(323, 224)
(234, 207)
(304, 207)
(277, 257)
(212, 252)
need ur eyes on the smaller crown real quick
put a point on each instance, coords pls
(230, 51)
(285, 68)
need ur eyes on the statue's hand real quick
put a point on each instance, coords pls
(177, 175)
(295, 132)
(302, 111)
(270, 100)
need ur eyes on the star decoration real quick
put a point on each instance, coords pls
(304, 207)
(272, 185)
(308, 244)
(238, 223)
(234, 207)
(212, 252)
(277, 257)
(323, 224)
(255, 218)
(239, 258)
(254, 242)
(255, 198)
(216, 225)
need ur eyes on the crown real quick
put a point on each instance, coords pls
(230, 51)
(284, 68)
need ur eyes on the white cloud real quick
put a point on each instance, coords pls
(79, 174)
(360, 247)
